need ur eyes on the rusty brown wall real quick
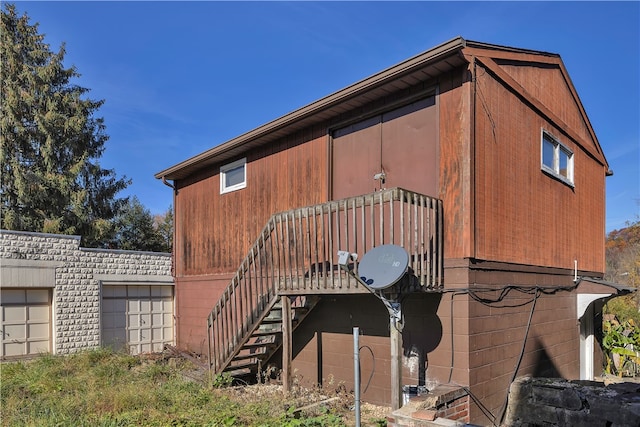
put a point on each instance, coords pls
(545, 83)
(323, 344)
(449, 338)
(214, 231)
(523, 215)
(195, 297)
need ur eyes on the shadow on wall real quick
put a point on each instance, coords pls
(328, 330)
(543, 366)
(422, 331)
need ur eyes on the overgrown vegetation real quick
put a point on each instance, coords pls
(102, 388)
(621, 331)
(621, 345)
(623, 266)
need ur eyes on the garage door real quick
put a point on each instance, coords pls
(137, 318)
(26, 322)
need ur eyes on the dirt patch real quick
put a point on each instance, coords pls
(306, 403)
(301, 401)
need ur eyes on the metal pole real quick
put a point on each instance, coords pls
(286, 344)
(356, 371)
(396, 363)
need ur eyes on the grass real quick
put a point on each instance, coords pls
(103, 388)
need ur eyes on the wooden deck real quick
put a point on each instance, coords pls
(295, 258)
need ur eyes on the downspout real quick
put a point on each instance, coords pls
(167, 183)
(176, 307)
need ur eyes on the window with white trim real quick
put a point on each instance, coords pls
(557, 159)
(233, 176)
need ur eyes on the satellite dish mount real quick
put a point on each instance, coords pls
(380, 269)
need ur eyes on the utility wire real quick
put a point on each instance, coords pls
(474, 293)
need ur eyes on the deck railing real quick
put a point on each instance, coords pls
(296, 253)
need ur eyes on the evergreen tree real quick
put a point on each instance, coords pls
(50, 142)
(136, 230)
(164, 227)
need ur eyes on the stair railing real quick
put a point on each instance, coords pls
(296, 253)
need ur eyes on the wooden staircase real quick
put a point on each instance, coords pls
(251, 356)
(295, 257)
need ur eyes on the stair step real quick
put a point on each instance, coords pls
(240, 372)
(260, 333)
(270, 326)
(258, 344)
(272, 313)
(277, 316)
(267, 337)
(249, 356)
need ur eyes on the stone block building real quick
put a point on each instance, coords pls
(58, 297)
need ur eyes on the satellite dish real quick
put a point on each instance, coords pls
(383, 266)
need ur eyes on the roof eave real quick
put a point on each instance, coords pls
(444, 50)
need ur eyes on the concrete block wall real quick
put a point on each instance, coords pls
(78, 275)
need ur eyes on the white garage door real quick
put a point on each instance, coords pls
(26, 322)
(137, 318)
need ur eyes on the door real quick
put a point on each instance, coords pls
(398, 148)
(26, 322)
(137, 318)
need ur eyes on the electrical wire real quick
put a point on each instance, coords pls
(474, 293)
(485, 411)
(451, 329)
(373, 368)
(524, 344)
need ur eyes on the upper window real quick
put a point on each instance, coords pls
(233, 176)
(557, 159)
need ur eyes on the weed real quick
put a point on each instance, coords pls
(621, 342)
(221, 380)
(108, 389)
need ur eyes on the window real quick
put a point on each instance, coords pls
(233, 176)
(557, 159)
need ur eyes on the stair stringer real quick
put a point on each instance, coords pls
(258, 346)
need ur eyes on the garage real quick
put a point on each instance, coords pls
(26, 322)
(137, 318)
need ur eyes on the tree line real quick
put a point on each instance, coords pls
(623, 267)
(51, 141)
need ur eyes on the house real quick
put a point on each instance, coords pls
(479, 160)
(58, 297)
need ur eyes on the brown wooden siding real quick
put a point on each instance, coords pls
(546, 83)
(455, 163)
(214, 231)
(498, 206)
(523, 215)
(291, 173)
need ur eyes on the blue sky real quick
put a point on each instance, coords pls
(181, 77)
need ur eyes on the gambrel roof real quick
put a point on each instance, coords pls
(518, 69)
